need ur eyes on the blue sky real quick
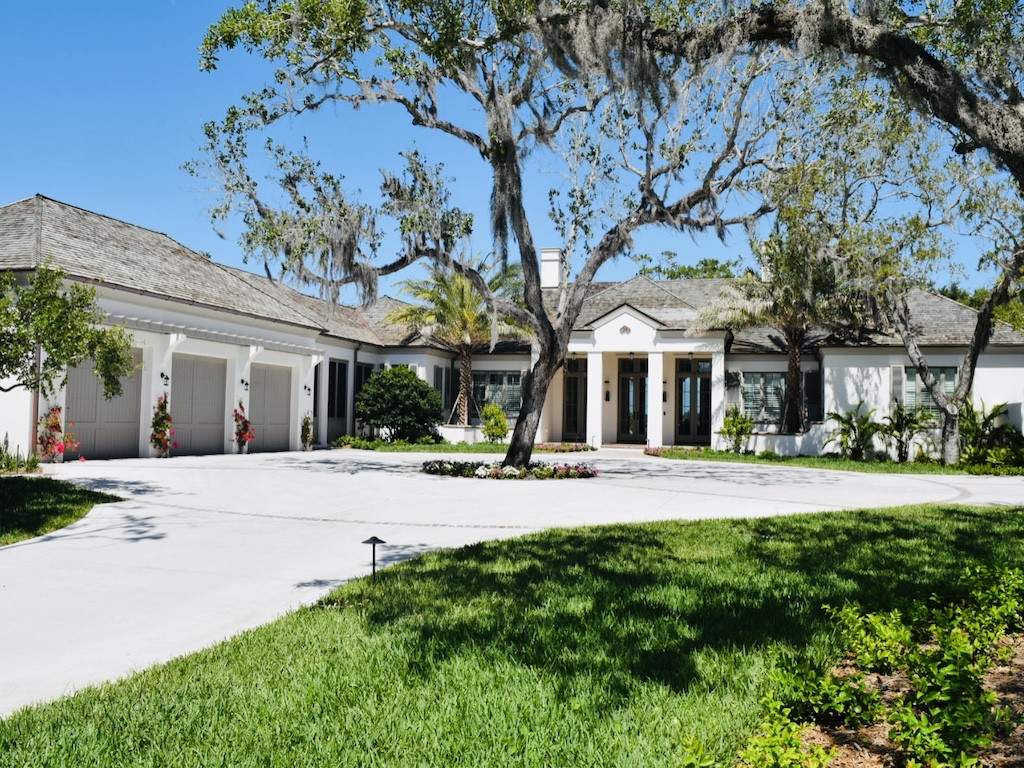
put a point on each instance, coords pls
(104, 102)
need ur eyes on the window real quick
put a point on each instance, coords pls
(316, 391)
(443, 384)
(363, 372)
(763, 396)
(813, 395)
(916, 394)
(504, 388)
(337, 388)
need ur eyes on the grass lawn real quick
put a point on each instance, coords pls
(817, 462)
(604, 646)
(32, 506)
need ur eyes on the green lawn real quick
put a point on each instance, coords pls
(817, 462)
(32, 506)
(591, 647)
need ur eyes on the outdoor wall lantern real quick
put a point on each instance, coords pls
(374, 541)
(245, 384)
(165, 378)
(308, 389)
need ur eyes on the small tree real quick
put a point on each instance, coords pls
(902, 425)
(400, 403)
(42, 315)
(737, 429)
(454, 315)
(495, 423)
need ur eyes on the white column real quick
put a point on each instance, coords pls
(595, 396)
(321, 406)
(302, 399)
(655, 387)
(157, 359)
(717, 396)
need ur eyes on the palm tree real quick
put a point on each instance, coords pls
(798, 293)
(452, 314)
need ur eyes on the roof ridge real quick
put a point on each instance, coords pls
(995, 320)
(673, 294)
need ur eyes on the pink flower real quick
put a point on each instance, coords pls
(81, 459)
(59, 447)
(170, 431)
(174, 445)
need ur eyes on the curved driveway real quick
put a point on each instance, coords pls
(202, 548)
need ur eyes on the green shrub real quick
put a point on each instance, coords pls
(855, 432)
(495, 424)
(777, 744)
(902, 425)
(830, 698)
(400, 403)
(986, 437)
(737, 428)
(944, 716)
(15, 462)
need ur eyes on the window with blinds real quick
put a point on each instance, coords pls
(505, 388)
(916, 394)
(763, 396)
(443, 384)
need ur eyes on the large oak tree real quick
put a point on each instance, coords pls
(685, 153)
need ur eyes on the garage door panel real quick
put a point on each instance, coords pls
(104, 429)
(197, 403)
(270, 407)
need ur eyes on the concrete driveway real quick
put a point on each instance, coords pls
(202, 548)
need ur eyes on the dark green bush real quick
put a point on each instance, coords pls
(400, 404)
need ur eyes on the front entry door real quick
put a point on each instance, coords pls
(574, 411)
(693, 401)
(632, 401)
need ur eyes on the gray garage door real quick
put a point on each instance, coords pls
(197, 404)
(105, 429)
(270, 397)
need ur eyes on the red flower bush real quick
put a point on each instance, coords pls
(244, 432)
(53, 438)
(162, 428)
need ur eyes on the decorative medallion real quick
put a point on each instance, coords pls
(625, 330)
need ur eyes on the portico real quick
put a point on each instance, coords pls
(629, 379)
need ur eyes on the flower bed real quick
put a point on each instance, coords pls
(485, 471)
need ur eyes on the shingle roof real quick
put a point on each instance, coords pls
(675, 304)
(97, 248)
(91, 246)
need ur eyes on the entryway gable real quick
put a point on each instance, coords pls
(625, 328)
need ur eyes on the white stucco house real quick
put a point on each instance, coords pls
(211, 336)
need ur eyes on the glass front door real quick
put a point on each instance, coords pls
(632, 401)
(574, 411)
(693, 401)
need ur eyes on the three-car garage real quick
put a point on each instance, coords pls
(201, 405)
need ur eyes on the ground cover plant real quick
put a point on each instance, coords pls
(915, 687)
(606, 646)
(535, 470)
(32, 506)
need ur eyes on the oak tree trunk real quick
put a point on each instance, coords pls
(535, 390)
(950, 438)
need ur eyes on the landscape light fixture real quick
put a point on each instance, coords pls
(374, 541)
